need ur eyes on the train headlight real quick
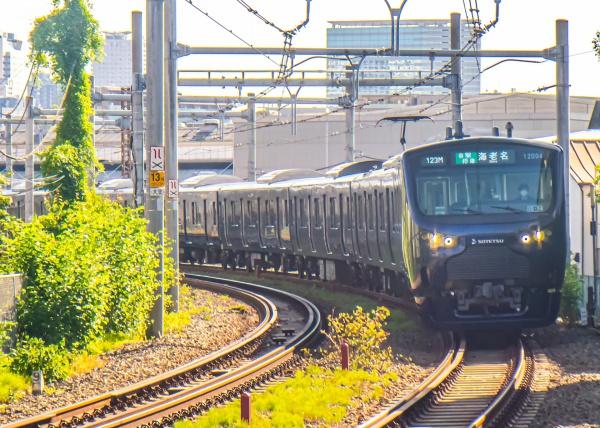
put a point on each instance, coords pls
(450, 242)
(526, 239)
(539, 236)
(437, 240)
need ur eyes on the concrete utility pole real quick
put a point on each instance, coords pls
(156, 160)
(252, 143)
(352, 89)
(172, 210)
(563, 132)
(29, 160)
(456, 69)
(137, 104)
(9, 149)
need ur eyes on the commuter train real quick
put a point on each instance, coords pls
(474, 229)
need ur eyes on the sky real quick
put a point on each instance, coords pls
(524, 24)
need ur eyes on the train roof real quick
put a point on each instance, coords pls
(280, 175)
(535, 143)
(353, 168)
(208, 179)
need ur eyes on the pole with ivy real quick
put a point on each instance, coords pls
(67, 40)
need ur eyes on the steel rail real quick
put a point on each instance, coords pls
(504, 399)
(268, 314)
(166, 410)
(449, 364)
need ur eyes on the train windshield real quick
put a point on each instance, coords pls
(483, 180)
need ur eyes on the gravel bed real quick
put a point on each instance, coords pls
(222, 322)
(573, 396)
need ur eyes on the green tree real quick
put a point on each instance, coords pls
(596, 44)
(67, 40)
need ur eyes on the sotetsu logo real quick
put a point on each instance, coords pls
(487, 241)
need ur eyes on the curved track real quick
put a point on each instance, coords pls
(193, 388)
(472, 387)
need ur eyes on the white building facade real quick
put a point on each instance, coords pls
(114, 70)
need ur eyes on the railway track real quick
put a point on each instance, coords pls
(474, 386)
(287, 323)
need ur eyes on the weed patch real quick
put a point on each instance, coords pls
(316, 396)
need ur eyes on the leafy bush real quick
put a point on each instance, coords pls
(90, 270)
(33, 354)
(571, 296)
(365, 334)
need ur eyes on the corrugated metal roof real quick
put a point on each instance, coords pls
(584, 155)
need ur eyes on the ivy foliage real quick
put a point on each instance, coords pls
(596, 44)
(90, 270)
(67, 40)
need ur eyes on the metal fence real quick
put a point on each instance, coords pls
(10, 287)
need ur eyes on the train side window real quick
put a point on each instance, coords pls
(348, 212)
(285, 213)
(203, 214)
(317, 211)
(382, 222)
(249, 211)
(333, 222)
(303, 222)
(361, 212)
(193, 212)
(214, 213)
(370, 212)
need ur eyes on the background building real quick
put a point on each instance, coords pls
(414, 34)
(13, 59)
(115, 68)
(47, 93)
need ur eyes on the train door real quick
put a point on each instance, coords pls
(348, 227)
(370, 227)
(184, 219)
(382, 238)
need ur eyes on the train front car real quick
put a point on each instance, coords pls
(484, 234)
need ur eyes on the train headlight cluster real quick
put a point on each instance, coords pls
(437, 240)
(537, 237)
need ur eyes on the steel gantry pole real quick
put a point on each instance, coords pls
(456, 69)
(137, 104)
(156, 159)
(171, 209)
(9, 149)
(29, 160)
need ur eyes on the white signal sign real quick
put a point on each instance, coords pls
(157, 158)
(173, 188)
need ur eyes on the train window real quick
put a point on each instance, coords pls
(361, 212)
(317, 213)
(303, 222)
(285, 213)
(214, 213)
(382, 222)
(204, 213)
(348, 212)
(333, 221)
(193, 212)
(371, 212)
(498, 182)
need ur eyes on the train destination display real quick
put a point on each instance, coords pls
(477, 157)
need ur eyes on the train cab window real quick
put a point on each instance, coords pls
(317, 213)
(481, 180)
(382, 216)
(371, 211)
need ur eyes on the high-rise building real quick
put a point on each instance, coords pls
(47, 94)
(414, 34)
(13, 61)
(115, 68)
